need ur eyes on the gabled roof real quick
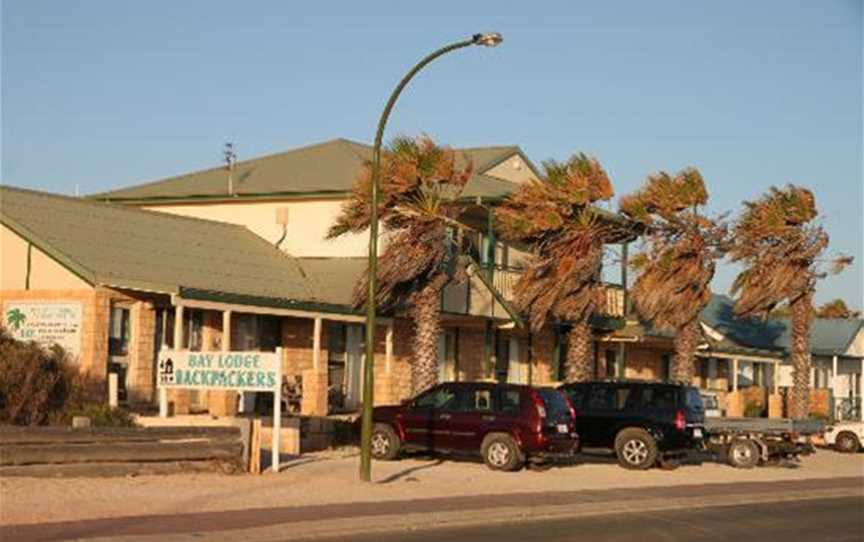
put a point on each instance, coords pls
(828, 336)
(119, 246)
(328, 168)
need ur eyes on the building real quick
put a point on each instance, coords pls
(746, 361)
(236, 258)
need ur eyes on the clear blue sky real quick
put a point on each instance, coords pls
(102, 94)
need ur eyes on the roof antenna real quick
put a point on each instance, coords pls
(230, 158)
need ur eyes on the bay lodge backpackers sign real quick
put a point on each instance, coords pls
(240, 371)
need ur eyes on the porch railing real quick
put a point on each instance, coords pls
(504, 279)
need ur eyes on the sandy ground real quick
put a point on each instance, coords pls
(331, 477)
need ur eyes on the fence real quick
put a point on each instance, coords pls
(61, 451)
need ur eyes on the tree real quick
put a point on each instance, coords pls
(420, 185)
(675, 269)
(837, 309)
(556, 218)
(780, 245)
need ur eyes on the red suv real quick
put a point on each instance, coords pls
(506, 424)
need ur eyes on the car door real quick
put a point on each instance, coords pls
(578, 394)
(607, 404)
(425, 421)
(467, 422)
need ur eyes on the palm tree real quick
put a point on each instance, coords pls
(555, 217)
(837, 309)
(420, 187)
(780, 246)
(15, 318)
(674, 271)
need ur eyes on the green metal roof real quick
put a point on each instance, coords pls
(328, 168)
(828, 336)
(114, 245)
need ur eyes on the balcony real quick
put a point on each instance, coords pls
(505, 278)
(473, 297)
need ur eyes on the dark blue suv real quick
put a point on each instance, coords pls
(645, 422)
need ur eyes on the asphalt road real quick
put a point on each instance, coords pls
(824, 520)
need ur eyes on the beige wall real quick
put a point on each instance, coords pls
(308, 222)
(856, 349)
(513, 169)
(45, 273)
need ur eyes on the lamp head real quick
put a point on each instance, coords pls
(487, 39)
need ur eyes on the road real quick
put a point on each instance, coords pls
(823, 520)
(814, 509)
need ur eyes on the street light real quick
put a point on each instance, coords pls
(489, 39)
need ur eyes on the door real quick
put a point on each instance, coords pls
(517, 371)
(426, 420)
(474, 415)
(354, 346)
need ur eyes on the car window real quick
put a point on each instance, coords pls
(510, 403)
(658, 397)
(577, 395)
(601, 398)
(475, 400)
(623, 397)
(555, 402)
(693, 400)
(438, 398)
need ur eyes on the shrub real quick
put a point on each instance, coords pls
(101, 415)
(40, 385)
(35, 382)
(753, 410)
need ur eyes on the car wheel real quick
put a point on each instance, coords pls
(501, 453)
(846, 443)
(743, 454)
(385, 442)
(636, 449)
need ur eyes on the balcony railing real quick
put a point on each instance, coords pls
(504, 279)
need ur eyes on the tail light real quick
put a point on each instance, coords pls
(538, 404)
(680, 422)
(570, 406)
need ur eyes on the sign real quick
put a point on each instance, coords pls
(241, 371)
(46, 322)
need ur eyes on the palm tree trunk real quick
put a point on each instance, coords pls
(426, 313)
(580, 353)
(802, 315)
(685, 342)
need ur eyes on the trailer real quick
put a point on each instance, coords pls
(748, 442)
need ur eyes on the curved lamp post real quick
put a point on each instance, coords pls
(490, 39)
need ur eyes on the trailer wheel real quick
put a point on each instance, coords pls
(847, 443)
(743, 454)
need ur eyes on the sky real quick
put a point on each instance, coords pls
(100, 94)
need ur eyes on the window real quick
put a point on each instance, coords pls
(659, 398)
(447, 355)
(510, 402)
(437, 398)
(193, 324)
(119, 332)
(475, 400)
(612, 363)
(601, 398)
(665, 367)
(622, 393)
(555, 403)
(577, 396)
(256, 332)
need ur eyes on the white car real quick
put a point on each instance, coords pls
(845, 436)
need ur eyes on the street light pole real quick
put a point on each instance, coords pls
(488, 40)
